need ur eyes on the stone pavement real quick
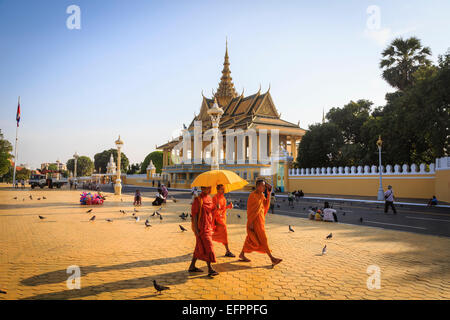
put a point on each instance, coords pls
(119, 260)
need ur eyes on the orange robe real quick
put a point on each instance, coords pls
(257, 207)
(220, 218)
(202, 206)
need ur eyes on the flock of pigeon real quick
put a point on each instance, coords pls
(183, 216)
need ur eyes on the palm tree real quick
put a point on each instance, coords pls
(401, 59)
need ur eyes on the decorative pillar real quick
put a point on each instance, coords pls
(75, 156)
(215, 113)
(118, 185)
(380, 188)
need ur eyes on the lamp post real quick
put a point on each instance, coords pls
(215, 113)
(75, 156)
(380, 188)
(118, 185)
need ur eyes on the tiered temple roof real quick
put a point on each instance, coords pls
(256, 111)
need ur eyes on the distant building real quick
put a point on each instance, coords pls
(61, 166)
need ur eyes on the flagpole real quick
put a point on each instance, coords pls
(15, 153)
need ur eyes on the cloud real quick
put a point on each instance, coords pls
(383, 36)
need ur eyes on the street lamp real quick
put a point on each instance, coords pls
(118, 185)
(215, 113)
(380, 188)
(75, 156)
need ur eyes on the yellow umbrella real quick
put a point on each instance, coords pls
(230, 180)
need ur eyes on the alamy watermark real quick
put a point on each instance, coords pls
(374, 279)
(74, 280)
(74, 20)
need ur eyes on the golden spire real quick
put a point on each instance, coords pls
(226, 90)
(323, 115)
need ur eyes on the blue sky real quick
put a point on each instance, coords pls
(137, 68)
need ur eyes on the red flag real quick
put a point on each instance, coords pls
(18, 113)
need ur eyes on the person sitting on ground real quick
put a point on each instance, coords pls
(301, 194)
(137, 198)
(318, 215)
(433, 202)
(159, 198)
(328, 213)
(312, 214)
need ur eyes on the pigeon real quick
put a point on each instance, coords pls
(92, 219)
(39, 198)
(182, 228)
(324, 250)
(134, 213)
(15, 198)
(89, 211)
(41, 217)
(31, 197)
(174, 200)
(160, 217)
(158, 287)
(109, 220)
(329, 236)
(3, 292)
(123, 211)
(239, 216)
(290, 229)
(137, 219)
(147, 223)
(44, 198)
(361, 219)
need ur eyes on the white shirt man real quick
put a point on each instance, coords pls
(328, 214)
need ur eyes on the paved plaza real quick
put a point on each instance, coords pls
(119, 259)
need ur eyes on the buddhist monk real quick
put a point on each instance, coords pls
(202, 225)
(220, 219)
(257, 207)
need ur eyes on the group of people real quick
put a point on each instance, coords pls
(22, 183)
(161, 196)
(209, 224)
(327, 214)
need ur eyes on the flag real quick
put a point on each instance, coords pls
(18, 113)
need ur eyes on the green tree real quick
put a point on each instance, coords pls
(23, 174)
(401, 59)
(101, 160)
(85, 166)
(156, 157)
(321, 146)
(133, 168)
(5, 155)
(52, 167)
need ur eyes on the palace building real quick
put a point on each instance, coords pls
(257, 113)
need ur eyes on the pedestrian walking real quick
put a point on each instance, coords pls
(389, 200)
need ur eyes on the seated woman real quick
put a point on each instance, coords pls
(159, 198)
(312, 213)
(328, 213)
(433, 202)
(137, 198)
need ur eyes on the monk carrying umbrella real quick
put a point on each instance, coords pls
(220, 219)
(202, 225)
(257, 207)
(202, 213)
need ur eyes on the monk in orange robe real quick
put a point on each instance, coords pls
(220, 219)
(202, 225)
(257, 207)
